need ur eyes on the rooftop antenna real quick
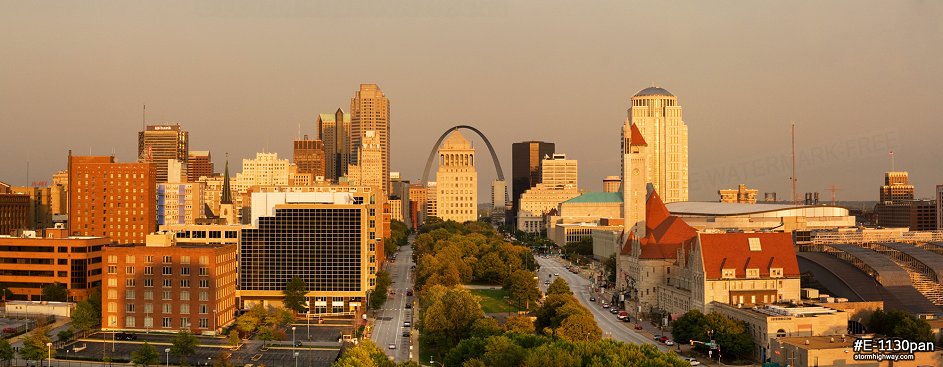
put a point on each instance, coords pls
(795, 196)
(891, 154)
(143, 117)
(299, 132)
(27, 172)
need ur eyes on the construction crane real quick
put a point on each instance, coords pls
(834, 189)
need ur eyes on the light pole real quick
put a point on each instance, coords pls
(49, 353)
(293, 337)
(296, 359)
(214, 321)
(167, 351)
(113, 322)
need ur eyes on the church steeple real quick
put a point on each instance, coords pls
(227, 191)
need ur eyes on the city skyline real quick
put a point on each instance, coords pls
(771, 77)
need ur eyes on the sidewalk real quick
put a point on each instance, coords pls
(53, 330)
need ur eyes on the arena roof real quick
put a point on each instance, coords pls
(700, 208)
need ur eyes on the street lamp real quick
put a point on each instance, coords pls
(167, 351)
(296, 359)
(113, 324)
(293, 337)
(214, 321)
(49, 353)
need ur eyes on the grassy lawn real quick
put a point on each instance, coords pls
(492, 300)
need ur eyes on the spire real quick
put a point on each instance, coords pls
(227, 192)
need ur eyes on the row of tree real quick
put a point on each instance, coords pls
(731, 335)
(563, 316)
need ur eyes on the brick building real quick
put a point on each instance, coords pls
(27, 263)
(199, 164)
(168, 286)
(110, 199)
(14, 213)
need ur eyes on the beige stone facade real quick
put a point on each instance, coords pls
(769, 322)
(537, 202)
(370, 111)
(658, 116)
(457, 180)
(179, 203)
(369, 169)
(739, 195)
(557, 170)
(834, 351)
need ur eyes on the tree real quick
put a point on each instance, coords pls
(145, 355)
(34, 345)
(183, 346)
(222, 359)
(900, 325)
(485, 327)
(365, 354)
(64, 335)
(55, 292)
(233, 338)
(490, 268)
(519, 324)
(689, 326)
(378, 297)
(559, 286)
(295, 292)
(610, 264)
(84, 318)
(95, 299)
(247, 323)
(266, 334)
(6, 352)
(450, 318)
(579, 327)
(523, 288)
(501, 351)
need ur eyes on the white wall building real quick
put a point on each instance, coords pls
(457, 180)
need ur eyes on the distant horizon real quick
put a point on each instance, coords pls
(859, 80)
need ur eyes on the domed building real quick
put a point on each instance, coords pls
(457, 180)
(657, 114)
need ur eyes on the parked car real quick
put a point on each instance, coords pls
(624, 316)
(605, 304)
(614, 310)
(692, 361)
(392, 346)
(409, 305)
(663, 339)
(409, 292)
(125, 336)
(406, 333)
(669, 343)
(407, 324)
(638, 327)
(297, 343)
(592, 299)
(657, 337)
(546, 282)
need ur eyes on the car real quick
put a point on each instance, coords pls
(692, 361)
(657, 337)
(556, 274)
(638, 327)
(297, 343)
(546, 282)
(392, 346)
(406, 333)
(409, 292)
(669, 343)
(663, 339)
(614, 311)
(409, 305)
(592, 299)
(125, 336)
(407, 324)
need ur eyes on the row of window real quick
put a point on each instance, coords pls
(165, 295)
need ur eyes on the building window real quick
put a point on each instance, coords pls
(129, 321)
(167, 259)
(148, 295)
(129, 294)
(112, 307)
(204, 323)
(165, 295)
(168, 283)
(755, 244)
(184, 283)
(728, 273)
(753, 273)
(165, 322)
(203, 309)
(184, 295)
(168, 270)
(776, 272)
(112, 269)
(780, 333)
(148, 282)
(204, 283)
(166, 308)
(148, 270)
(184, 271)
(129, 282)
(204, 271)
(204, 296)
(129, 307)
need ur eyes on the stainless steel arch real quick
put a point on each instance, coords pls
(494, 156)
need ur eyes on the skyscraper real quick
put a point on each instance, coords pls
(370, 111)
(199, 164)
(369, 170)
(556, 170)
(897, 188)
(526, 158)
(334, 131)
(658, 116)
(457, 180)
(309, 156)
(158, 143)
(109, 199)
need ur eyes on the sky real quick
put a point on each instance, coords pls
(859, 79)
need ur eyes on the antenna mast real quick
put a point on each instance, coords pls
(892, 160)
(795, 195)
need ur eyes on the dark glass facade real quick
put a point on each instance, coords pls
(320, 245)
(526, 160)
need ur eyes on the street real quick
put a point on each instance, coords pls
(610, 325)
(388, 326)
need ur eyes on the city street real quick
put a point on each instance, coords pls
(610, 325)
(388, 326)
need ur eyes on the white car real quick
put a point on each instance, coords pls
(692, 361)
(392, 346)
(669, 343)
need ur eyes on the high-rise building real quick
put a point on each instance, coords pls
(331, 240)
(167, 286)
(369, 169)
(741, 195)
(896, 188)
(399, 189)
(158, 143)
(939, 207)
(898, 208)
(309, 156)
(611, 184)
(417, 204)
(32, 264)
(370, 111)
(499, 201)
(199, 164)
(634, 180)
(179, 202)
(657, 114)
(537, 202)
(14, 212)
(556, 170)
(109, 199)
(457, 180)
(526, 158)
(334, 132)
(431, 208)
(265, 170)
(40, 205)
(60, 193)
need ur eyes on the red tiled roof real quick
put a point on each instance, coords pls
(636, 138)
(732, 251)
(665, 233)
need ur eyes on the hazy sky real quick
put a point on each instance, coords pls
(860, 78)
